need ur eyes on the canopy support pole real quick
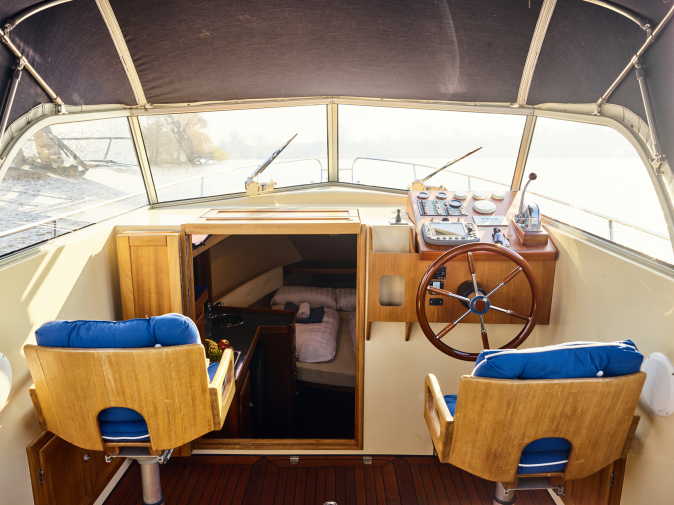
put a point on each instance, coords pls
(544, 17)
(9, 101)
(643, 23)
(634, 63)
(123, 52)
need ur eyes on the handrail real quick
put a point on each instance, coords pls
(610, 220)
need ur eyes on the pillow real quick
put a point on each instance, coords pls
(346, 299)
(317, 343)
(166, 330)
(316, 297)
(313, 316)
(564, 361)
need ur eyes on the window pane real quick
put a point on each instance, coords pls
(68, 176)
(591, 177)
(213, 153)
(391, 147)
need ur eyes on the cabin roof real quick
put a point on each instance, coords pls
(201, 50)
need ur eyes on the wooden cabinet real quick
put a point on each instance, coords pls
(62, 474)
(150, 266)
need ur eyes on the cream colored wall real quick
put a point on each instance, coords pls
(601, 296)
(70, 278)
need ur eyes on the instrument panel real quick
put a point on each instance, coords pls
(445, 219)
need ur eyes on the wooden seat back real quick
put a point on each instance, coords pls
(496, 419)
(168, 386)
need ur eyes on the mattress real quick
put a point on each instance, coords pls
(341, 371)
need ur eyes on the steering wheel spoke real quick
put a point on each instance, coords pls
(511, 313)
(444, 292)
(506, 280)
(451, 325)
(483, 333)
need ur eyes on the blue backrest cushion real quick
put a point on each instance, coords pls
(165, 330)
(571, 360)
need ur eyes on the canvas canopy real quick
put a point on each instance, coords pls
(212, 50)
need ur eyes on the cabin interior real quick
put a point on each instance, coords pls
(365, 252)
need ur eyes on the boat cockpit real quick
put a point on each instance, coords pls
(366, 253)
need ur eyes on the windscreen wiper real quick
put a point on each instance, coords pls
(420, 184)
(271, 159)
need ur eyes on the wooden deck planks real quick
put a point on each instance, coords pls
(236, 480)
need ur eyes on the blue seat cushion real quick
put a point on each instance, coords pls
(572, 360)
(166, 330)
(120, 424)
(544, 455)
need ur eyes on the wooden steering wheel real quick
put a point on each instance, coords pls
(479, 304)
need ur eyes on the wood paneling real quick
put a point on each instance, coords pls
(410, 267)
(62, 474)
(253, 480)
(168, 387)
(495, 419)
(240, 258)
(149, 273)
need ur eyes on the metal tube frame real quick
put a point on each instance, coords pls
(23, 15)
(641, 22)
(11, 95)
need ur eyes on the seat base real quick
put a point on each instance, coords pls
(149, 471)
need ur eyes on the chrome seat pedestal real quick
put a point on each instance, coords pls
(149, 470)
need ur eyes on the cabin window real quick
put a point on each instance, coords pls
(213, 153)
(66, 177)
(591, 177)
(391, 147)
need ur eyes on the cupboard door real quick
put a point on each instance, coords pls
(601, 488)
(150, 269)
(63, 474)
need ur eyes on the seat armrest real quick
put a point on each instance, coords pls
(439, 420)
(221, 389)
(38, 408)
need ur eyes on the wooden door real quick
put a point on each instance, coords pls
(63, 474)
(150, 270)
(601, 488)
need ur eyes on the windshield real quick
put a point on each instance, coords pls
(391, 147)
(213, 153)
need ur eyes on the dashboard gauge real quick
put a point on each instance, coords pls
(441, 195)
(455, 204)
(460, 195)
(484, 207)
(423, 195)
(498, 195)
(481, 195)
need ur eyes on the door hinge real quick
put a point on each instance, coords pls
(612, 479)
(41, 476)
(294, 460)
(367, 460)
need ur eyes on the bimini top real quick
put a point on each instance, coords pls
(177, 51)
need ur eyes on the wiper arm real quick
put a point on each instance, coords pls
(447, 165)
(271, 159)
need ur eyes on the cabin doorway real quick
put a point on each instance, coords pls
(290, 308)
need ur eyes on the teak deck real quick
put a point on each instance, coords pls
(255, 480)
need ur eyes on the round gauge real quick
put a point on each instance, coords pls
(455, 204)
(460, 195)
(498, 195)
(484, 207)
(423, 195)
(441, 195)
(481, 195)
